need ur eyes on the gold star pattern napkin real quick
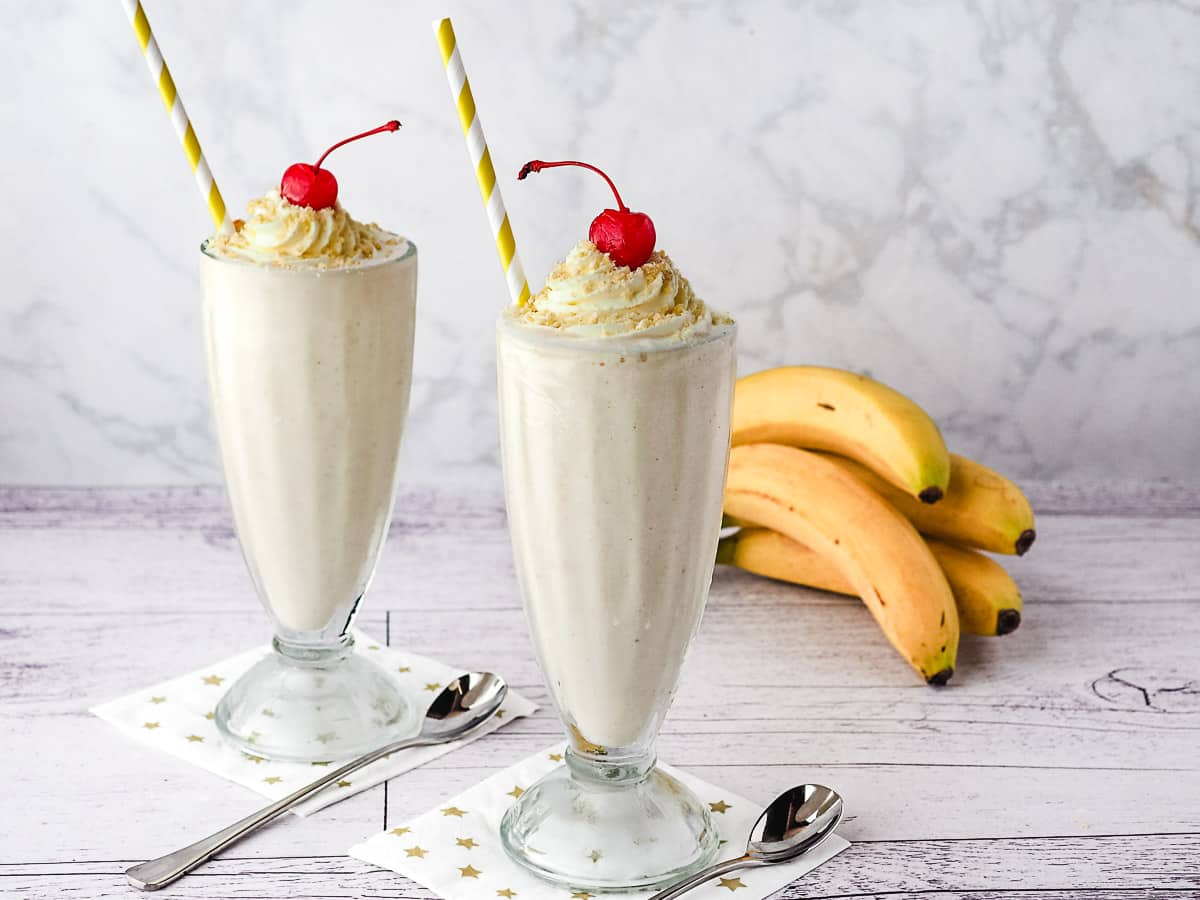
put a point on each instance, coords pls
(176, 717)
(454, 849)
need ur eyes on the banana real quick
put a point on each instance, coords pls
(876, 549)
(842, 412)
(988, 600)
(981, 509)
(774, 555)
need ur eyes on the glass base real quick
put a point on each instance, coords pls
(313, 706)
(603, 826)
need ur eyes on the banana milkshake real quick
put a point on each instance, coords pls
(614, 405)
(615, 386)
(308, 319)
(309, 330)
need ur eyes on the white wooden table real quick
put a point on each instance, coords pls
(1062, 761)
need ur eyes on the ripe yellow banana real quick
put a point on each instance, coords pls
(876, 549)
(981, 509)
(842, 412)
(988, 600)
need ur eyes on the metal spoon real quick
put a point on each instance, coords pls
(463, 705)
(795, 822)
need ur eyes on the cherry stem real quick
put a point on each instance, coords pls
(388, 126)
(536, 165)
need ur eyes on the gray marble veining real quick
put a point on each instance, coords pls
(992, 205)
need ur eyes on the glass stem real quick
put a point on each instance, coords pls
(313, 654)
(602, 770)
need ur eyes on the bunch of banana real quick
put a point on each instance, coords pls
(839, 482)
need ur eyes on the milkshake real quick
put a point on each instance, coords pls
(310, 364)
(615, 385)
(308, 318)
(614, 407)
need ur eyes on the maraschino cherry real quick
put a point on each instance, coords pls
(312, 186)
(626, 236)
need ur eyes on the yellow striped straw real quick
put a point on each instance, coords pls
(468, 117)
(174, 104)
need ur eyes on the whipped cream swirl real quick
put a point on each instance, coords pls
(281, 233)
(589, 296)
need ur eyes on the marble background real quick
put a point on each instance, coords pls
(990, 204)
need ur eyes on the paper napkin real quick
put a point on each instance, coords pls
(176, 717)
(454, 849)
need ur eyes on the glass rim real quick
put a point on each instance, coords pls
(544, 336)
(311, 266)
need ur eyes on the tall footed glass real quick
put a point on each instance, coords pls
(614, 467)
(309, 371)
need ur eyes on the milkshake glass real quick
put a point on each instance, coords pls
(310, 365)
(615, 444)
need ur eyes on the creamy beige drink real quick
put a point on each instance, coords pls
(308, 321)
(309, 325)
(615, 392)
(616, 388)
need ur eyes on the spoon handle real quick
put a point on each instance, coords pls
(713, 871)
(158, 873)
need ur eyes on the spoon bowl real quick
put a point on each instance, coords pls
(795, 822)
(792, 824)
(462, 704)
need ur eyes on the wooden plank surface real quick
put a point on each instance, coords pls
(1092, 867)
(1061, 760)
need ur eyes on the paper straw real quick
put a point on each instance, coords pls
(174, 104)
(460, 92)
